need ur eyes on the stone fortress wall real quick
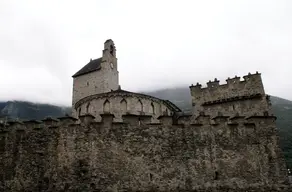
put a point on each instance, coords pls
(214, 149)
(178, 154)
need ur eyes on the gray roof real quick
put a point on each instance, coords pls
(93, 65)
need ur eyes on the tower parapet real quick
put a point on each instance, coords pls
(245, 97)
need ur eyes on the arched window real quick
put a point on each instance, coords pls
(112, 50)
(140, 105)
(152, 108)
(159, 109)
(106, 106)
(166, 111)
(123, 106)
(87, 108)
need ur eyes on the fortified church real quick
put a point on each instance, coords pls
(96, 91)
(229, 143)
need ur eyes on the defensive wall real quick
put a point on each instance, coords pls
(178, 154)
(245, 97)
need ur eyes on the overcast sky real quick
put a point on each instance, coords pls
(160, 43)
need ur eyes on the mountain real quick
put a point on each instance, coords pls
(282, 108)
(28, 110)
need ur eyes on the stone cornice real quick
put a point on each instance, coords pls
(123, 93)
(237, 98)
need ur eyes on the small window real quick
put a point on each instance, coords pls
(87, 83)
(140, 106)
(216, 175)
(123, 106)
(112, 50)
(106, 106)
(150, 176)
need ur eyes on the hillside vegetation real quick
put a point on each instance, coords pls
(27, 110)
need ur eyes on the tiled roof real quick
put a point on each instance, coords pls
(93, 65)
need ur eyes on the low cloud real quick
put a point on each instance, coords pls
(159, 44)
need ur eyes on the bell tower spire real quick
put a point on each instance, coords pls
(110, 66)
(109, 49)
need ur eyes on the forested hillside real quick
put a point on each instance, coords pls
(28, 110)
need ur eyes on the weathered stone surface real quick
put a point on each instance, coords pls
(118, 145)
(100, 81)
(121, 103)
(245, 97)
(108, 156)
(98, 91)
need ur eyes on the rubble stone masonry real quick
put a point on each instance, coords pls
(178, 154)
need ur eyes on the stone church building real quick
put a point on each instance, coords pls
(96, 90)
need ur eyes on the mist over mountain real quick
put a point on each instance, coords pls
(28, 110)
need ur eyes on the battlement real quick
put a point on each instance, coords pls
(165, 154)
(251, 84)
(136, 120)
(245, 96)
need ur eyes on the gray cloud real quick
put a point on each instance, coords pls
(159, 43)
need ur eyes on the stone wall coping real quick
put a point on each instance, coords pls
(236, 98)
(228, 80)
(124, 93)
(67, 117)
(50, 119)
(201, 120)
(87, 115)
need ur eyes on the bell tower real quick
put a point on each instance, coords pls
(98, 76)
(110, 67)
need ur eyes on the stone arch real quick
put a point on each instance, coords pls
(124, 105)
(106, 106)
(152, 108)
(140, 106)
(88, 108)
(159, 108)
(111, 49)
(79, 111)
(165, 112)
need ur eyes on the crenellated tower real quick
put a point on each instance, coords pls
(246, 97)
